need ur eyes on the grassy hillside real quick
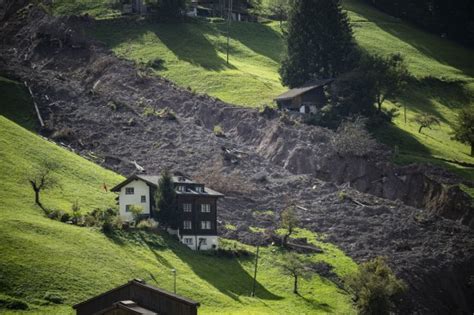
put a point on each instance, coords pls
(193, 56)
(40, 256)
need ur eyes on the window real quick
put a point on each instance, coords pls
(205, 207)
(129, 191)
(187, 225)
(205, 225)
(188, 240)
(127, 208)
(202, 241)
(187, 207)
(143, 199)
(199, 189)
(181, 188)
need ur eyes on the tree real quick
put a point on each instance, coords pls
(42, 178)
(352, 138)
(319, 42)
(297, 266)
(464, 127)
(375, 287)
(389, 75)
(166, 201)
(278, 9)
(288, 221)
(425, 121)
(136, 211)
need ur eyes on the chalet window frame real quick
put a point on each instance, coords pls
(206, 225)
(206, 208)
(127, 208)
(187, 207)
(129, 190)
(199, 189)
(188, 240)
(143, 198)
(203, 241)
(187, 225)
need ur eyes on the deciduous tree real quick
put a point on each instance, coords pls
(464, 127)
(43, 178)
(288, 221)
(425, 120)
(296, 266)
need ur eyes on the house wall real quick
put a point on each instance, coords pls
(140, 189)
(211, 241)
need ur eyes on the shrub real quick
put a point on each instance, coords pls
(149, 111)
(218, 131)
(375, 287)
(63, 134)
(90, 220)
(147, 225)
(53, 297)
(156, 64)
(136, 212)
(12, 303)
(55, 214)
(352, 138)
(65, 217)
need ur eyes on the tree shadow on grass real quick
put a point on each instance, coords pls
(188, 43)
(315, 305)
(393, 136)
(426, 43)
(260, 38)
(225, 274)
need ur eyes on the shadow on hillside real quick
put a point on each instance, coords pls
(260, 38)
(427, 43)
(225, 274)
(393, 136)
(188, 43)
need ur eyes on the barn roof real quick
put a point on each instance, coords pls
(301, 90)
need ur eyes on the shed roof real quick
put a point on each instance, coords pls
(301, 90)
(142, 284)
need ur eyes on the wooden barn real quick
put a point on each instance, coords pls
(306, 99)
(137, 298)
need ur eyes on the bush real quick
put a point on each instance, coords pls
(12, 303)
(55, 214)
(54, 297)
(147, 225)
(218, 131)
(156, 64)
(352, 138)
(65, 217)
(375, 287)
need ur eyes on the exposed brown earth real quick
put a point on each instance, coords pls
(96, 104)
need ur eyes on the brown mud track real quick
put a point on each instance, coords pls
(95, 103)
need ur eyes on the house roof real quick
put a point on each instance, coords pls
(301, 90)
(141, 284)
(153, 180)
(130, 306)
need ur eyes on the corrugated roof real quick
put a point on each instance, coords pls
(301, 90)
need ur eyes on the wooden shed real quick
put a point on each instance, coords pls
(137, 297)
(305, 99)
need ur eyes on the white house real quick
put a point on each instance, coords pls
(196, 207)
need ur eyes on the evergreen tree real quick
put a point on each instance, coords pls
(319, 42)
(166, 201)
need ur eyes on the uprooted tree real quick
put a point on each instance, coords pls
(43, 178)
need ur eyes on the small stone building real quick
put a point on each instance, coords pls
(306, 99)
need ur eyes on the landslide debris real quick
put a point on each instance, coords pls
(103, 108)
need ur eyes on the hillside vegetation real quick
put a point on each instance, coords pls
(43, 257)
(194, 55)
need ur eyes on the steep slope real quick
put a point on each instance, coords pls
(41, 256)
(194, 55)
(267, 162)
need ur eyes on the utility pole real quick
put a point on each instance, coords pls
(174, 275)
(229, 18)
(255, 273)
